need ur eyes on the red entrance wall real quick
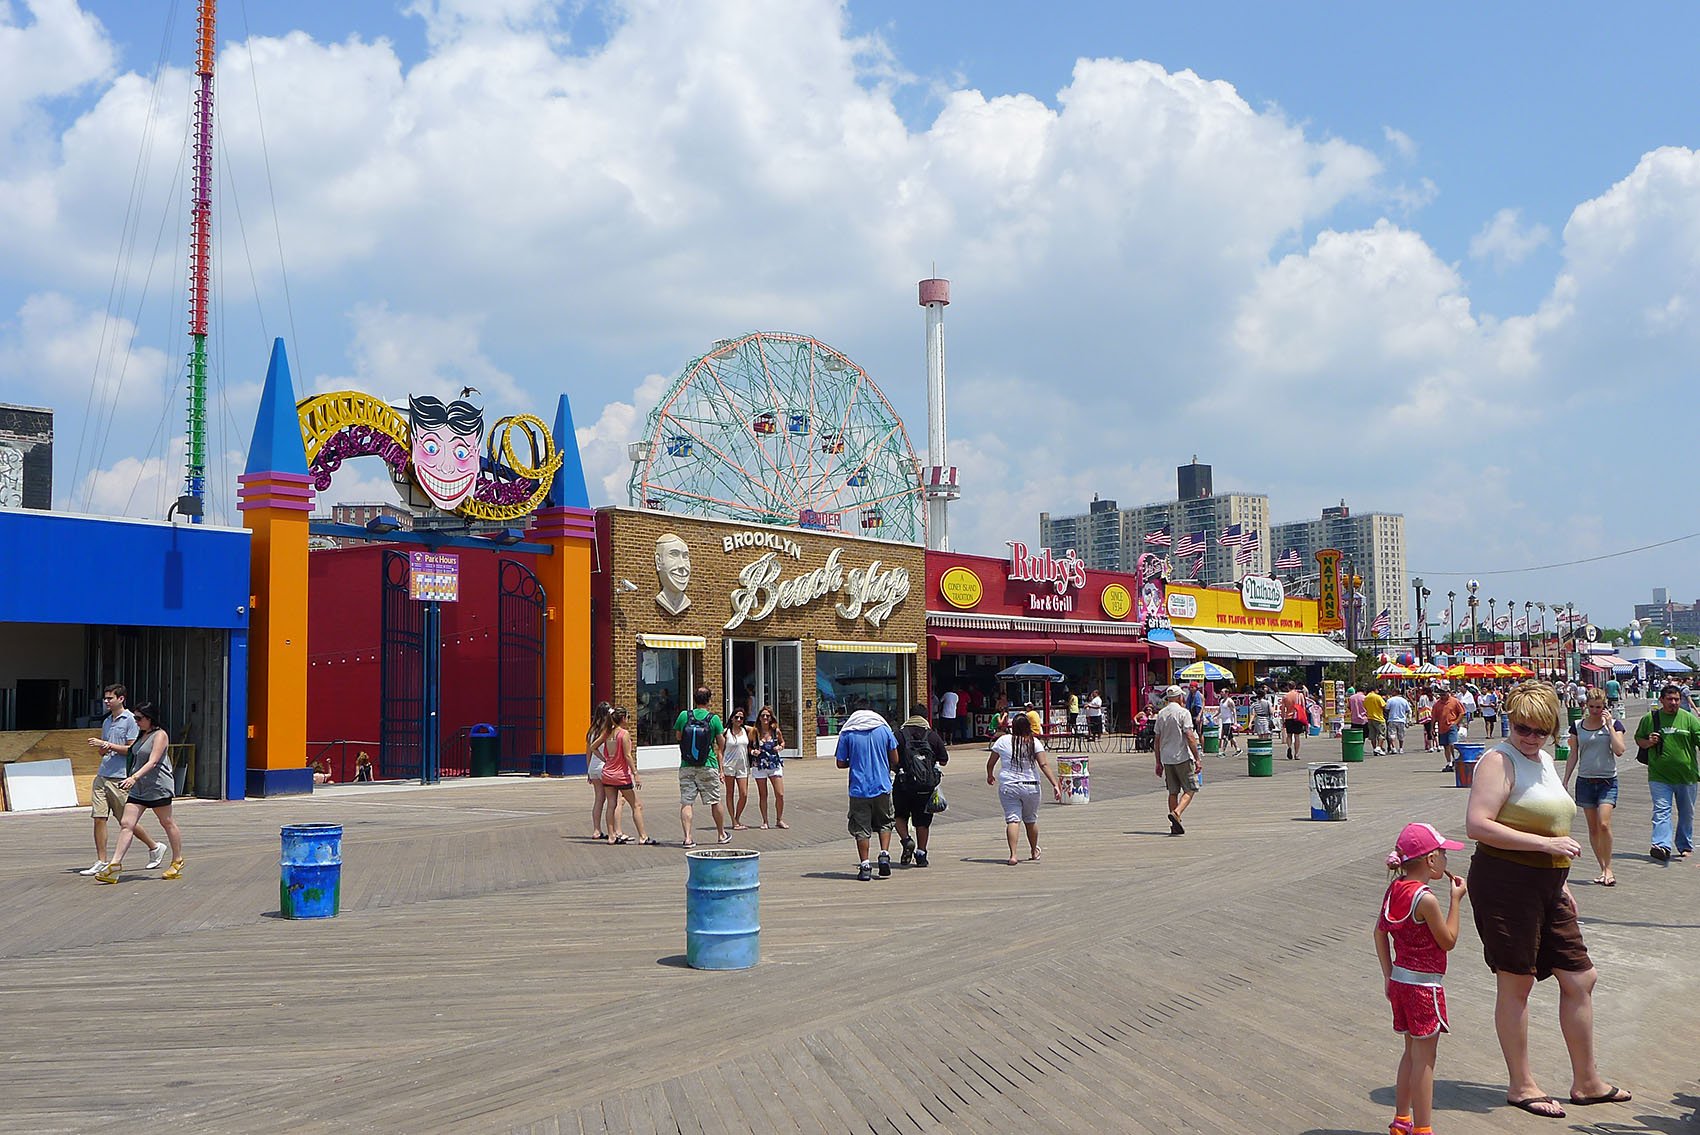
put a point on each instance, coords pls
(344, 626)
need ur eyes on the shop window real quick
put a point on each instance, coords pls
(842, 679)
(664, 687)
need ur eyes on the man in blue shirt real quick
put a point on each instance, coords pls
(868, 748)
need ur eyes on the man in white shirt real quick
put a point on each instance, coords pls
(119, 729)
(948, 703)
(1398, 711)
(1177, 755)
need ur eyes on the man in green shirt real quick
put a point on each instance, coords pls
(702, 736)
(1669, 739)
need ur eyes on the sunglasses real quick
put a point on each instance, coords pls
(1522, 730)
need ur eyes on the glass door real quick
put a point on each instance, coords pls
(781, 685)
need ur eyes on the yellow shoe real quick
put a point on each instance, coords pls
(175, 871)
(109, 873)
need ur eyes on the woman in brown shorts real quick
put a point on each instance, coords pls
(1520, 817)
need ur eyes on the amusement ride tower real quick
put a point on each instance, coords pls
(939, 485)
(200, 264)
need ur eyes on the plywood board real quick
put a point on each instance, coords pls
(52, 744)
(34, 785)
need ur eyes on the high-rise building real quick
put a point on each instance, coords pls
(1112, 539)
(1373, 543)
(26, 457)
(1668, 615)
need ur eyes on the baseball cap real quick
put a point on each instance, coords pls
(1173, 692)
(1419, 839)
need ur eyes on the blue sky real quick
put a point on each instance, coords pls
(1441, 242)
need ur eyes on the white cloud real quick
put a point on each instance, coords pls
(58, 51)
(1506, 240)
(1402, 143)
(1145, 265)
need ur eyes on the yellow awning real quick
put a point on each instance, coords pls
(673, 641)
(853, 646)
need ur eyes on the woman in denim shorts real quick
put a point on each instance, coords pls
(1596, 742)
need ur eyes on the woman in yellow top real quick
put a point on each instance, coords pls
(1520, 816)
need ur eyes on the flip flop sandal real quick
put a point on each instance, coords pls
(622, 839)
(1528, 1105)
(688, 844)
(1612, 1094)
(725, 837)
(649, 842)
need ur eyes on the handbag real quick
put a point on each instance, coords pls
(939, 803)
(1643, 755)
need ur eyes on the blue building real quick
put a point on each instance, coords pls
(161, 608)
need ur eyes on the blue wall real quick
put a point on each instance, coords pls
(106, 572)
(79, 569)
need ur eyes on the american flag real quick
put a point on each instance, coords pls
(1190, 546)
(1159, 537)
(1289, 561)
(1407, 626)
(1231, 537)
(1248, 548)
(1383, 624)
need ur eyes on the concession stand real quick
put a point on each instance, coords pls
(1253, 626)
(807, 622)
(985, 613)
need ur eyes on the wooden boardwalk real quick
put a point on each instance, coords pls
(493, 970)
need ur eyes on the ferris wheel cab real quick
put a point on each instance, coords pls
(766, 422)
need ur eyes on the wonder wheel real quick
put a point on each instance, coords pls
(777, 428)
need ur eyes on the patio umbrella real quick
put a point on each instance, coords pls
(1033, 672)
(1392, 670)
(1205, 672)
(1428, 670)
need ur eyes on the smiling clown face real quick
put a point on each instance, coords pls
(445, 449)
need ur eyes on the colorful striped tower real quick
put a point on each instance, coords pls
(200, 258)
(276, 497)
(567, 524)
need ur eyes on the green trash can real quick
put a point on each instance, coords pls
(1352, 744)
(1561, 754)
(1576, 713)
(1212, 741)
(486, 743)
(1260, 756)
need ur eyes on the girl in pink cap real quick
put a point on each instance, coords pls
(1412, 937)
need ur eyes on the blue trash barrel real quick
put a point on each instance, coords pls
(311, 883)
(1464, 763)
(723, 909)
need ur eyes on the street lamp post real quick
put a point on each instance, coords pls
(1352, 582)
(1570, 621)
(1474, 602)
(1451, 617)
(1417, 586)
(1493, 623)
(1528, 626)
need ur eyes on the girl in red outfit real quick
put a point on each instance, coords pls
(1411, 941)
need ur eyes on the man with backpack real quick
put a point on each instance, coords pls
(701, 738)
(920, 752)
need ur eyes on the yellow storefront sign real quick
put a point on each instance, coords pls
(1210, 608)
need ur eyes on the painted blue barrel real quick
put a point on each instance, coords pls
(723, 909)
(1464, 763)
(311, 883)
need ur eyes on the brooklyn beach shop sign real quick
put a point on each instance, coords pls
(870, 593)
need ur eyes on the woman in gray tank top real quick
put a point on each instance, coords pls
(150, 785)
(1596, 742)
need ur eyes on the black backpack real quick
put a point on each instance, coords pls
(696, 739)
(915, 765)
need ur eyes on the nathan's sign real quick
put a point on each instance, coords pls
(1328, 590)
(1262, 593)
(870, 592)
(434, 451)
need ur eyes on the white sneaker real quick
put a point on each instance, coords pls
(95, 870)
(158, 854)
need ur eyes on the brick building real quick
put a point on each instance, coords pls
(806, 622)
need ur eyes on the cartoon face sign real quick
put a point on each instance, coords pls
(445, 448)
(672, 572)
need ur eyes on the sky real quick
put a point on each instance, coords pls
(1444, 262)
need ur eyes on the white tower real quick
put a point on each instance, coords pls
(940, 482)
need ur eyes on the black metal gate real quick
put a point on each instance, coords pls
(519, 669)
(408, 746)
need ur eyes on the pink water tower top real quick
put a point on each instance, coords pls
(935, 291)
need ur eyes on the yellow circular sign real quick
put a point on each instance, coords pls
(960, 588)
(1116, 601)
